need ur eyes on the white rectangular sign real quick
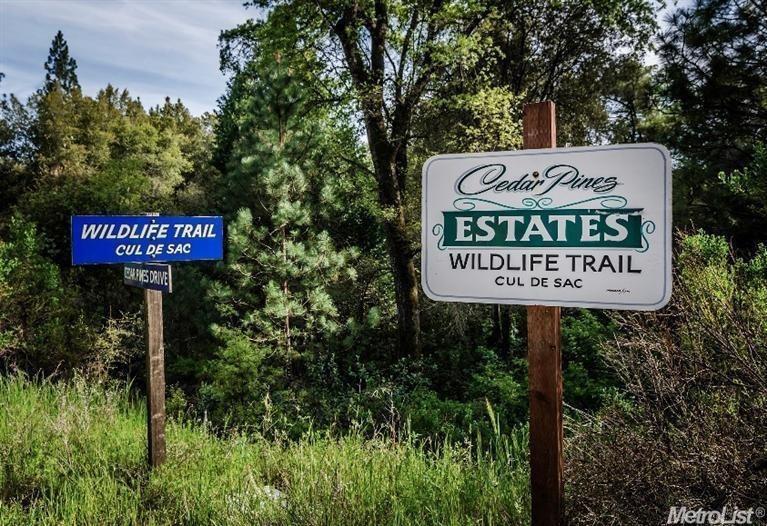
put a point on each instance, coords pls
(575, 227)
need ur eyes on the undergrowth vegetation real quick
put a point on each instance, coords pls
(75, 454)
(690, 428)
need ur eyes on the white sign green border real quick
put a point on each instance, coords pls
(575, 227)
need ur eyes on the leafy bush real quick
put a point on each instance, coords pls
(587, 380)
(40, 325)
(692, 427)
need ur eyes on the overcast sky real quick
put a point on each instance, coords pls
(154, 48)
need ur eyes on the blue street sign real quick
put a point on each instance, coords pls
(148, 276)
(146, 239)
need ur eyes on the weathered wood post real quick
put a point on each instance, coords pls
(155, 378)
(544, 354)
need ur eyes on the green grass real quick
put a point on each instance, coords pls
(74, 454)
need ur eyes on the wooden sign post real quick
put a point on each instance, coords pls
(155, 279)
(155, 378)
(548, 227)
(544, 354)
(145, 245)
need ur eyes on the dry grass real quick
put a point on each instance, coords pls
(692, 428)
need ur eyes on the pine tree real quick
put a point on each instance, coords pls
(713, 77)
(60, 68)
(276, 300)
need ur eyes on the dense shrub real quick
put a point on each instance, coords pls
(40, 323)
(45, 325)
(587, 380)
(691, 429)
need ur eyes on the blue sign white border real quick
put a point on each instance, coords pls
(150, 217)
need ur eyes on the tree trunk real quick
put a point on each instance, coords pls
(502, 330)
(388, 149)
(286, 292)
(400, 256)
(405, 287)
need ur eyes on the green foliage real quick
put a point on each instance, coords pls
(694, 406)
(40, 324)
(276, 304)
(313, 158)
(66, 153)
(587, 380)
(74, 453)
(105, 155)
(569, 52)
(713, 78)
(60, 68)
(505, 389)
(715, 68)
(492, 120)
(634, 102)
(430, 415)
(746, 190)
(16, 151)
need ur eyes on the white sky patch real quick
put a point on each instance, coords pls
(154, 48)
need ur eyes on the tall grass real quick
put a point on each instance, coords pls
(74, 454)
